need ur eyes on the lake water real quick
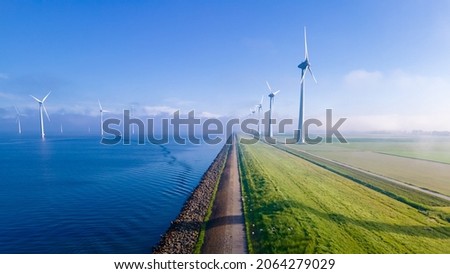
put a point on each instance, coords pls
(75, 195)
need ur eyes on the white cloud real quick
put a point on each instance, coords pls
(9, 96)
(396, 122)
(362, 77)
(395, 100)
(158, 110)
(178, 102)
(394, 81)
(206, 114)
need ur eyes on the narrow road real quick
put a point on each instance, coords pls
(225, 230)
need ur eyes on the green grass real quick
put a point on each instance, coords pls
(414, 162)
(435, 149)
(415, 198)
(294, 206)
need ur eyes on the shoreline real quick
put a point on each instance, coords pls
(182, 235)
(225, 229)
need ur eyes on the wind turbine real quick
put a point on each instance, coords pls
(18, 114)
(305, 65)
(101, 116)
(42, 107)
(259, 107)
(271, 98)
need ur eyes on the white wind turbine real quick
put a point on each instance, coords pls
(101, 116)
(271, 98)
(305, 65)
(41, 115)
(18, 114)
(259, 108)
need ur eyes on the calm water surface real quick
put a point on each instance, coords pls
(74, 195)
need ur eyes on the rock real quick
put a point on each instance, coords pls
(182, 235)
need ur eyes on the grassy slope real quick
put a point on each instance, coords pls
(293, 206)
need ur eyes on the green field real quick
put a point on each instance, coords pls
(436, 149)
(294, 206)
(413, 161)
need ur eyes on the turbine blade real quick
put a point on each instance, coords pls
(262, 99)
(43, 100)
(276, 92)
(100, 105)
(46, 113)
(269, 86)
(312, 74)
(39, 101)
(303, 77)
(17, 111)
(306, 45)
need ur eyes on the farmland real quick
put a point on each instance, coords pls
(413, 161)
(294, 206)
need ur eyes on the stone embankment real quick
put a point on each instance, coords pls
(182, 235)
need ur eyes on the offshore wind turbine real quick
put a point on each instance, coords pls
(18, 114)
(42, 107)
(259, 107)
(304, 66)
(271, 100)
(101, 116)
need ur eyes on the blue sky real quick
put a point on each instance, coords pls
(382, 64)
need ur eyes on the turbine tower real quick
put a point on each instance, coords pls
(42, 107)
(18, 114)
(101, 116)
(305, 65)
(271, 98)
(259, 107)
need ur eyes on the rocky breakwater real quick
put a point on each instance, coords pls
(182, 235)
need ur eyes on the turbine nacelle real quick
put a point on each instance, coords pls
(304, 65)
(259, 106)
(100, 107)
(272, 94)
